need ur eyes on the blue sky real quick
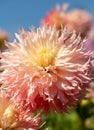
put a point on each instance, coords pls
(15, 14)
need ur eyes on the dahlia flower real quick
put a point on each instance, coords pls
(76, 19)
(55, 16)
(79, 20)
(12, 118)
(44, 70)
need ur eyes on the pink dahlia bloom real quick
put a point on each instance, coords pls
(76, 19)
(44, 70)
(79, 20)
(12, 118)
(55, 16)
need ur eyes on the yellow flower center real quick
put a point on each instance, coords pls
(46, 57)
(43, 52)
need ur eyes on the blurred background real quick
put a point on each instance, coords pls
(18, 14)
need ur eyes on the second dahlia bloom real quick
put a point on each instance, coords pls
(44, 70)
(76, 19)
(79, 20)
(12, 117)
(55, 16)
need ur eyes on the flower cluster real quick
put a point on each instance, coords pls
(44, 69)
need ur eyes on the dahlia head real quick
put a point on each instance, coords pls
(56, 16)
(12, 118)
(79, 20)
(45, 70)
(76, 19)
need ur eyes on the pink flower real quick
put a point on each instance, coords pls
(55, 16)
(76, 19)
(44, 70)
(12, 118)
(79, 20)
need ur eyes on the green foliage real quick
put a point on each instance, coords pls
(81, 118)
(69, 121)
